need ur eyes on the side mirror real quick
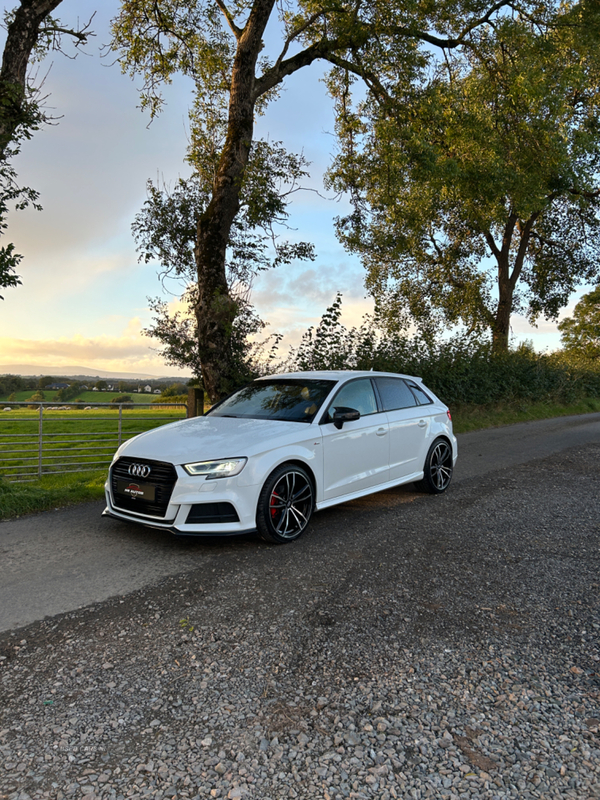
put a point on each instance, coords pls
(343, 414)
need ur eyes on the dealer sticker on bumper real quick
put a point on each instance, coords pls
(141, 491)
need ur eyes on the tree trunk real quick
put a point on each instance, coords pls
(215, 308)
(507, 280)
(21, 38)
(501, 328)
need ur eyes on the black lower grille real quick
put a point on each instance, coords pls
(211, 513)
(161, 479)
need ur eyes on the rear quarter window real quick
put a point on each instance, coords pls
(423, 398)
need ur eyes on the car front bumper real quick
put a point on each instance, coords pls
(190, 495)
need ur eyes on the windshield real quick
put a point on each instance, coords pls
(287, 399)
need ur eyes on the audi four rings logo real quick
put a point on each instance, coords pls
(139, 470)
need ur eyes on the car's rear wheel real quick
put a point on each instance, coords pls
(285, 504)
(437, 471)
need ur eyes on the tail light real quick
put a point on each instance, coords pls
(449, 415)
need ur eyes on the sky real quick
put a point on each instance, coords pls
(84, 297)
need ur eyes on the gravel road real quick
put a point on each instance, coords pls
(406, 647)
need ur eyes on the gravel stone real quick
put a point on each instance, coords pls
(442, 648)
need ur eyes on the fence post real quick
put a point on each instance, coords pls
(40, 438)
(195, 402)
(120, 424)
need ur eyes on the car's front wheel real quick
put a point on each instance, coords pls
(285, 504)
(437, 471)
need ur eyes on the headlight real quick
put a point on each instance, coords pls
(226, 468)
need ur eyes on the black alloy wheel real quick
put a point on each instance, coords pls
(285, 504)
(437, 472)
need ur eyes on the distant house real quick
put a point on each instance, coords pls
(157, 391)
(95, 389)
(83, 388)
(147, 388)
(58, 386)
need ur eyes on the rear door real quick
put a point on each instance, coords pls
(409, 411)
(355, 457)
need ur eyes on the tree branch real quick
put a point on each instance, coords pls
(327, 48)
(454, 41)
(492, 244)
(82, 36)
(237, 32)
(525, 231)
(295, 34)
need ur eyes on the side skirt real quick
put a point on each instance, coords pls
(344, 498)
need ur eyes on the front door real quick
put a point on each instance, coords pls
(357, 456)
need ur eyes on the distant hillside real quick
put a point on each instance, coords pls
(27, 370)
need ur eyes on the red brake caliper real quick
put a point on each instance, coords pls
(273, 510)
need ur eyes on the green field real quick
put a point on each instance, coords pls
(85, 397)
(71, 441)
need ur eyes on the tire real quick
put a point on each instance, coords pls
(285, 504)
(437, 471)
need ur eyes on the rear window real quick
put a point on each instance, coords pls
(395, 394)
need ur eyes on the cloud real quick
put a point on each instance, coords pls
(129, 352)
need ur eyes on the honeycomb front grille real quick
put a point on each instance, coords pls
(162, 477)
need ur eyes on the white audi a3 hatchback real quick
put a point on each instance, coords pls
(279, 449)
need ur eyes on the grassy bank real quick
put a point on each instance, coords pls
(52, 491)
(467, 418)
(55, 491)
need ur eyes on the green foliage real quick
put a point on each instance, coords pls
(165, 229)
(45, 380)
(475, 185)
(461, 369)
(68, 393)
(217, 45)
(178, 336)
(175, 393)
(11, 383)
(20, 198)
(174, 390)
(581, 332)
(121, 398)
(173, 398)
(37, 397)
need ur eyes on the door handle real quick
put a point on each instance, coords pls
(381, 431)
(422, 423)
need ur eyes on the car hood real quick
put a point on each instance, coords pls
(207, 438)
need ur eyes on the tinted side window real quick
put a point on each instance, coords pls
(395, 394)
(356, 394)
(422, 397)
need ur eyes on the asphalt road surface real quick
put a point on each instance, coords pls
(59, 561)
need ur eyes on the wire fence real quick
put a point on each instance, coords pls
(39, 439)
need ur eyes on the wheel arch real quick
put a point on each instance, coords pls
(446, 438)
(297, 462)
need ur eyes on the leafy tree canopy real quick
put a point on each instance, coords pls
(581, 332)
(475, 187)
(220, 47)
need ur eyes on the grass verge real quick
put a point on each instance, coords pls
(54, 491)
(467, 418)
(51, 491)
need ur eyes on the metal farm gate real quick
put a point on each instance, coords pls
(39, 439)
